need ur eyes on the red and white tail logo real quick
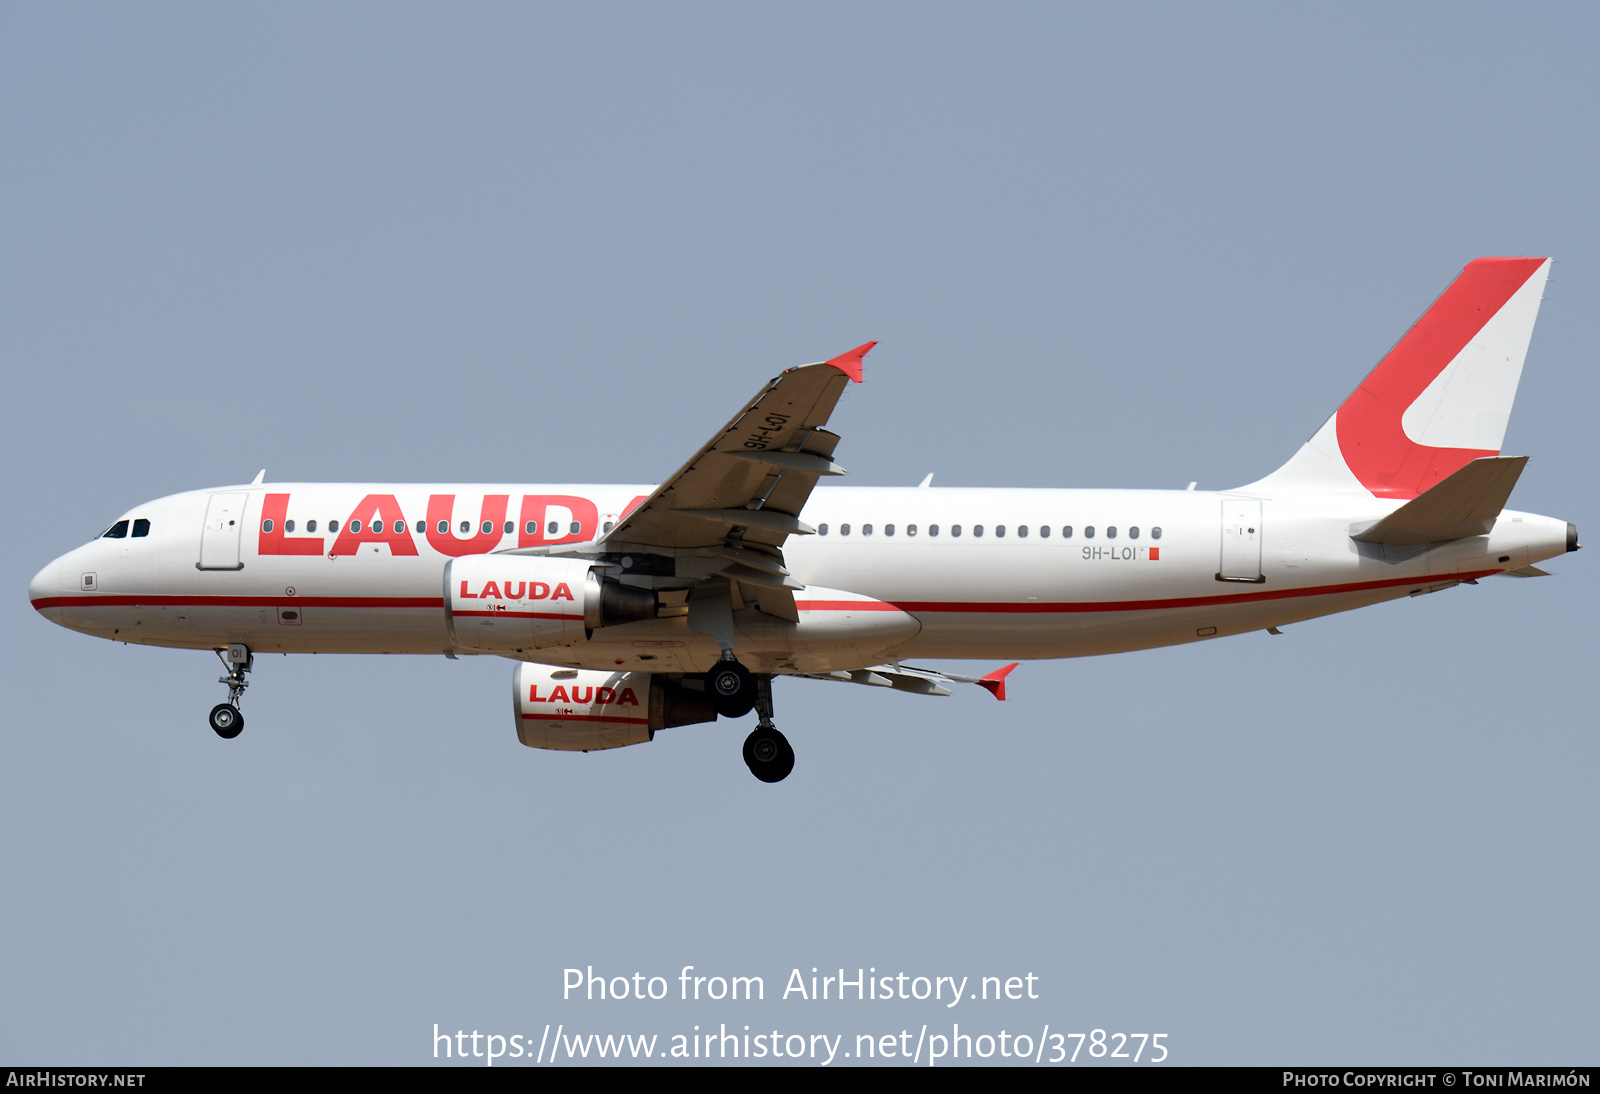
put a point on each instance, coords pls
(1439, 399)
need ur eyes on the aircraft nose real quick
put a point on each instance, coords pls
(44, 591)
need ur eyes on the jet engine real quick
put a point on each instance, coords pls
(513, 603)
(584, 710)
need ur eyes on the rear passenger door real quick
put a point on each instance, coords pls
(1241, 540)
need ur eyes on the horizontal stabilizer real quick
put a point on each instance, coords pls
(1525, 571)
(1465, 504)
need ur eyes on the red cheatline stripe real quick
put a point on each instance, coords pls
(243, 601)
(1188, 602)
(977, 607)
(585, 718)
(517, 615)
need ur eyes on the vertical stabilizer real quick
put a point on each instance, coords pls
(1438, 400)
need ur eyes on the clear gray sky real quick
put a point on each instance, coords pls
(1130, 245)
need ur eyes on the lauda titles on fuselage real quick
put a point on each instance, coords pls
(631, 609)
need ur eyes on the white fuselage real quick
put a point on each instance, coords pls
(1033, 583)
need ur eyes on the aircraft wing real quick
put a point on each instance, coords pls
(739, 497)
(917, 681)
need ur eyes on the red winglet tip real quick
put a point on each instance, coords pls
(996, 681)
(850, 363)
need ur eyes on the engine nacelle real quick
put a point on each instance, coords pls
(513, 603)
(584, 710)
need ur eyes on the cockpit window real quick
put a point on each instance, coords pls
(118, 530)
(141, 527)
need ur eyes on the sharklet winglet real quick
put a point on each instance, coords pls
(995, 682)
(850, 363)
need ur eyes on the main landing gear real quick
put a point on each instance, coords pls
(225, 717)
(767, 752)
(736, 691)
(732, 688)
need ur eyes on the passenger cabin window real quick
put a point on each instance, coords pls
(554, 528)
(288, 526)
(266, 526)
(311, 526)
(844, 529)
(1111, 531)
(1000, 531)
(1088, 531)
(1133, 533)
(422, 527)
(888, 529)
(1022, 531)
(511, 526)
(955, 530)
(911, 529)
(822, 529)
(118, 530)
(1066, 531)
(488, 526)
(466, 526)
(933, 529)
(1155, 533)
(576, 527)
(1044, 531)
(866, 529)
(355, 526)
(333, 526)
(977, 529)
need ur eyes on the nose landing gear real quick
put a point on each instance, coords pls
(767, 752)
(225, 718)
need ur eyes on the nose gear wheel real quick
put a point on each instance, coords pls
(227, 721)
(225, 718)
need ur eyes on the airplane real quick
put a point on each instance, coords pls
(633, 609)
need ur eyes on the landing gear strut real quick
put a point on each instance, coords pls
(225, 717)
(767, 752)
